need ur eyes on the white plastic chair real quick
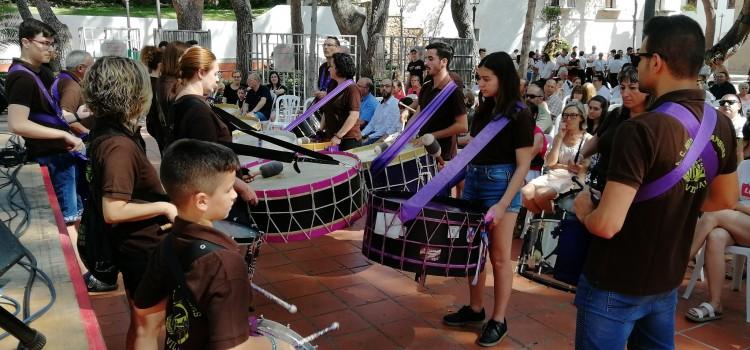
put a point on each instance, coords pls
(741, 254)
(308, 103)
(284, 108)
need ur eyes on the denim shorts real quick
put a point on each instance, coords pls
(610, 320)
(487, 184)
(63, 172)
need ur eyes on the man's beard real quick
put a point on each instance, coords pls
(386, 95)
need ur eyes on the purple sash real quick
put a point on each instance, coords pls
(385, 158)
(55, 90)
(701, 147)
(419, 200)
(316, 106)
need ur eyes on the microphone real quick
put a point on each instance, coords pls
(381, 147)
(432, 146)
(268, 170)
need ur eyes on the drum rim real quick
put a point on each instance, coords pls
(412, 154)
(340, 178)
(317, 146)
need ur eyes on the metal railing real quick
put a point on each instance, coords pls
(203, 37)
(100, 41)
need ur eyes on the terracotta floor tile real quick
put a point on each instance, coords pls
(348, 320)
(553, 342)
(396, 286)
(719, 337)
(528, 331)
(682, 342)
(279, 273)
(423, 303)
(114, 324)
(376, 271)
(270, 259)
(115, 342)
(319, 266)
(339, 279)
(340, 248)
(368, 339)
(301, 286)
(274, 312)
(305, 254)
(318, 304)
(563, 322)
(285, 247)
(352, 260)
(384, 311)
(359, 294)
(109, 303)
(413, 333)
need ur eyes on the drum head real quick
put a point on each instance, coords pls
(279, 332)
(240, 233)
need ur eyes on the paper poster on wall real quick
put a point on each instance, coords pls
(283, 58)
(114, 48)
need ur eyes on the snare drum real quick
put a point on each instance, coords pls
(308, 127)
(319, 200)
(249, 238)
(281, 336)
(441, 241)
(409, 171)
(245, 139)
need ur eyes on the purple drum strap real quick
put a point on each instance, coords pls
(701, 142)
(419, 200)
(317, 105)
(55, 89)
(58, 121)
(385, 158)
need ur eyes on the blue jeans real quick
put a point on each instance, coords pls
(609, 320)
(63, 172)
(261, 116)
(488, 183)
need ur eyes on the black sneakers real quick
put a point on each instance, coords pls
(96, 286)
(492, 333)
(463, 317)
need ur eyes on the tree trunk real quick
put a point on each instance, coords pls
(462, 18)
(710, 12)
(350, 19)
(649, 10)
(62, 39)
(296, 8)
(375, 32)
(297, 28)
(243, 13)
(528, 30)
(23, 9)
(311, 66)
(189, 14)
(733, 39)
(635, 21)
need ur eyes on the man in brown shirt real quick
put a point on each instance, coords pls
(639, 252)
(67, 91)
(206, 293)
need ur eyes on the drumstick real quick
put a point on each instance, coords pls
(407, 107)
(334, 326)
(289, 307)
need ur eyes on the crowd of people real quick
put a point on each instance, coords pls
(86, 121)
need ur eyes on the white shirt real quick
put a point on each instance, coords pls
(385, 121)
(600, 65)
(604, 92)
(590, 58)
(562, 60)
(616, 96)
(547, 70)
(582, 63)
(615, 66)
(738, 122)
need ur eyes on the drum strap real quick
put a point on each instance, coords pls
(194, 251)
(419, 200)
(700, 148)
(240, 125)
(317, 105)
(385, 158)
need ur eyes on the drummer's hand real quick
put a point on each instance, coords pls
(497, 211)
(583, 204)
(320, 94)
(72, 143)
(169, 210)
(246, 192)
(335, 140)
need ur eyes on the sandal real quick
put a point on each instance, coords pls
(703, 313)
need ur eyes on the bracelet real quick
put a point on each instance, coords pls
(78, 119)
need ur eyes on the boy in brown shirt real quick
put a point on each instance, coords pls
(206, 294)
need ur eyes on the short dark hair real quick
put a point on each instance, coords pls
(679, 40)
(413, 51)
(163, 43)
(344, 65)
(338, 43)
(192, 42)
(30, 28)
(443, 50)
(485, 50)
(190, 166)
(599, 76)
(628, 73)
(508, 94)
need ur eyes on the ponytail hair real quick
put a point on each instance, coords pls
(151, 57)
(194, 60)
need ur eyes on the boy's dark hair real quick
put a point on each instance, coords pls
(192, 42)
(163, 43)
(344, 65)
(29, 28)
(443, 50)
(680, 42)
(338, 43)
(191, 166)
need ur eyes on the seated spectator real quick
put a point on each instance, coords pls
(368, 103)
(241, 100)
(535, 96)
(562, 161)
(744, 96)
(722, 85)
(259, 98)
(600, 86)
(398, 89)
(539, 150)
(589, 91)
(710, 98)
(731, 107)
(576, 94)
(275, 85)
(598, 106)
(553, 96)
(386, 118)
(415, 86)
(717, 230)
(230, 91)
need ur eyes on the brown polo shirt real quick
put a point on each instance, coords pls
(650, 253)
(337, 110)
(71, 97)
(194, 119)
(217, 280)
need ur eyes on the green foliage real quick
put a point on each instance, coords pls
(550, 14)
(556, 45)
(9, 21)
(688, 8)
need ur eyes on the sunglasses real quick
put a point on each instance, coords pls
(530, 96)
(726, 102)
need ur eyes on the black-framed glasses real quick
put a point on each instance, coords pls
(726, 102)
(530, 96)
(45, 44)
(570, 115)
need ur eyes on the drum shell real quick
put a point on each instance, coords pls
(409, 171)
(425, 245)
(307, 128)
(279, 332)
(572, 250)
